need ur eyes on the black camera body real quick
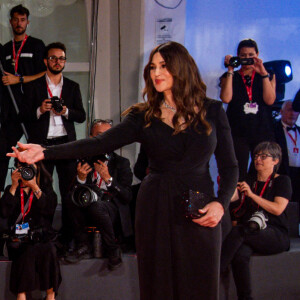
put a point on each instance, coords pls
(57, 104)
(27, 171)
(94, 159)
(236, 61)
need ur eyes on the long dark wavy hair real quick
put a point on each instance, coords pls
(188, 90)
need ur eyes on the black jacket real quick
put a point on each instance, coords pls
(35, 94)
(281, 140)
(120, 189)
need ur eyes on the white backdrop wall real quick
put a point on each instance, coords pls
(215, 27)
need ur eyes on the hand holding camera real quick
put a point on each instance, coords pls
(46, 106)
(83, 169)
(102, 169)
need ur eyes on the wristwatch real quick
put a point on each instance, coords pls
(21, 79)
(109, 182)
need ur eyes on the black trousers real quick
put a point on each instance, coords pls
(66, 171)
(102, 214)
(238, 248)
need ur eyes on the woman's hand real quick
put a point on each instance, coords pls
(259, 67)
(15, 177)
(244, 187)
(226, 62)
(31, 153)
(213, 211)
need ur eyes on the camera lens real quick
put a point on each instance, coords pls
(27, 172)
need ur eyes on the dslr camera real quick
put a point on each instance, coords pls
(27, 171)
(83, 195)
(57, 104)
(94, 159)
(257, 222)
(236, 61)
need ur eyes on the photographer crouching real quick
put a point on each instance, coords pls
(29, 204)
(101, 197)
(259, 217)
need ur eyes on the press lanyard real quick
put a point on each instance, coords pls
(294, 140)
(22, 203)
(50, 93)
(264, 188)
(16, 57)
(248, 88)
(96, 176)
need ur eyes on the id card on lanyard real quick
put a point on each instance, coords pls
(249, 107)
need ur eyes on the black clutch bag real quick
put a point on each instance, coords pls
(193, 201)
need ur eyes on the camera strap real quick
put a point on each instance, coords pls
(268, 182)
(248, 87)
(23, 212)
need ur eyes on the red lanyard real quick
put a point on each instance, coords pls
(22, 203)
(96, 176)
(264, 187)
(49, 91)
(16, 57)
(248, 88)
(293, 140)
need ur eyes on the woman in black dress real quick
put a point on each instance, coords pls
(180, 129)
(262, 200)
(29, 206)
(250, 93)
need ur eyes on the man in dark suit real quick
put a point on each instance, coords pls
(23, 63)
(114, 177)
(52, 122)
(287, 135)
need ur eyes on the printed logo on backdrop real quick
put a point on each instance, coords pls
(163, 30)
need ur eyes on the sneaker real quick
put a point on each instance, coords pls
(115, 259)
(83, 252)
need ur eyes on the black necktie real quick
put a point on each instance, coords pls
(291, 128)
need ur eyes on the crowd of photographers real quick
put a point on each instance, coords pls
(39, 101)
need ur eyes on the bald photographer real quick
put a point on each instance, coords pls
(100, 198)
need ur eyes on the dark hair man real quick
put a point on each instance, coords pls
(22, 62)
(51, 122)
(287, 135)
(114, 177)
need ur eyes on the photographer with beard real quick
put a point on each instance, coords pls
(114, 177)
(52, 122)
(259, 217)
(29, 204)
(22, 63)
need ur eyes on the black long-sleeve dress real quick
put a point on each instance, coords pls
(177, 258)
(34, 265)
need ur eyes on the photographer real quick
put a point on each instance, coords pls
(114, 177)
(249, 92)
(259, 216)
(29, 204)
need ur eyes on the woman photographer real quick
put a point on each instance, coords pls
(260, 217)
(29, 206)
(180, 129)
(249, 92)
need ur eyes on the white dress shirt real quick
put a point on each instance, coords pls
(56, 126)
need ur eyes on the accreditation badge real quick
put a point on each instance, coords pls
(22, 228)
(250, 108)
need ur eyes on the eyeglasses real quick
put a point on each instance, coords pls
(262, 156)
(54, 58)
(107, 121)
